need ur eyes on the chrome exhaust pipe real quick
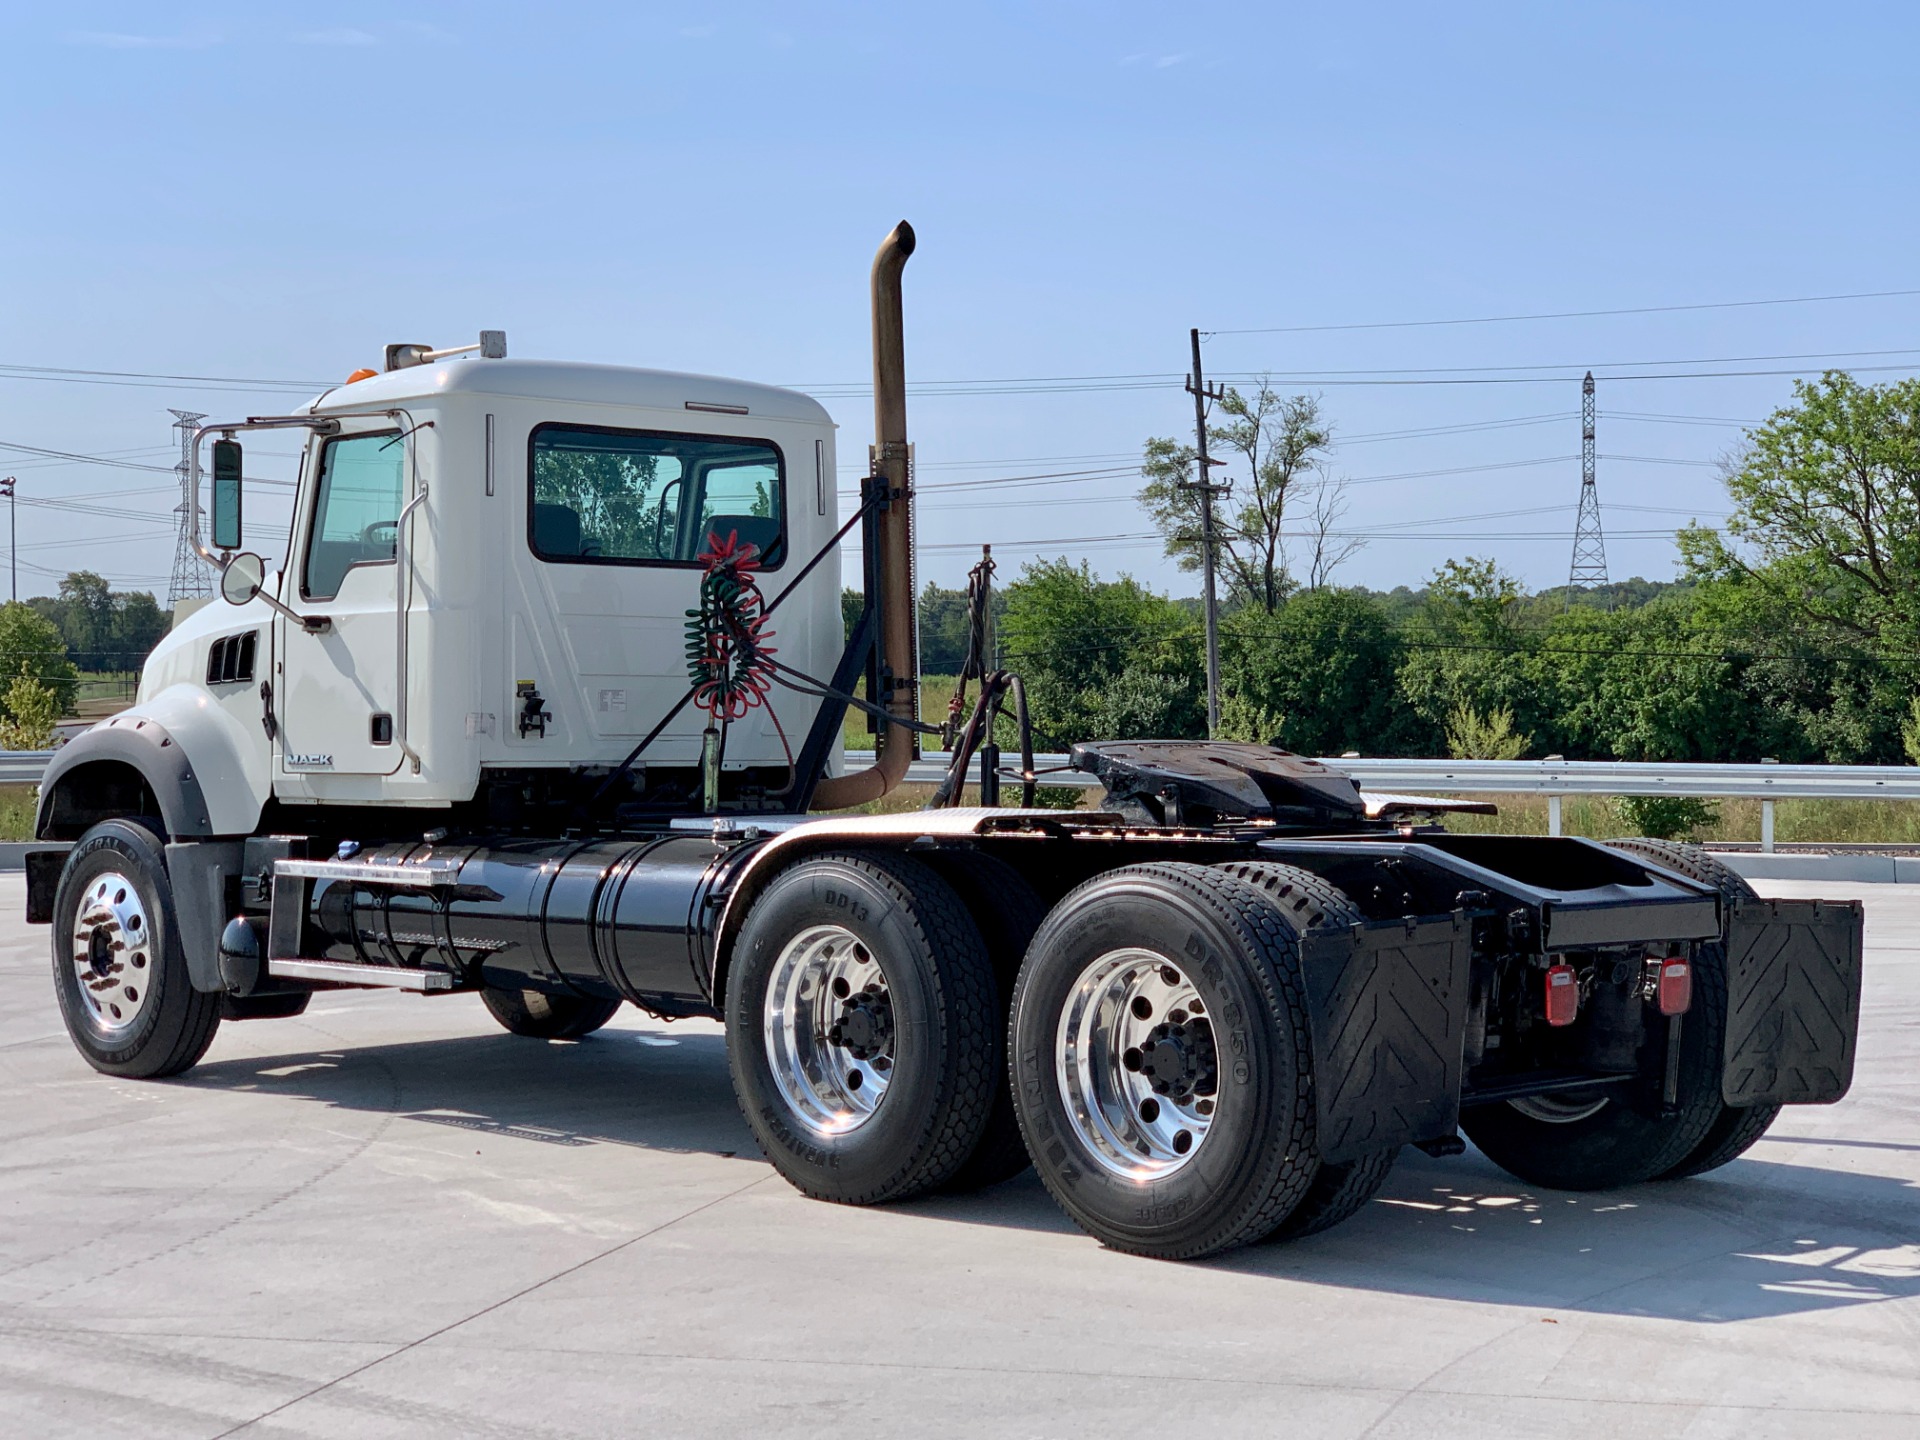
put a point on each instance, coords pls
(898, 662)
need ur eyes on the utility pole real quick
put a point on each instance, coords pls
(1203, 482)
(13, 532)
(189, 580)
(1589, 545)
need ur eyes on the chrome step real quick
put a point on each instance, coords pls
(340, 973)
(420, 874)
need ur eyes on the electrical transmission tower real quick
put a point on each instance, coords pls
(1589, 546)
(190, 580)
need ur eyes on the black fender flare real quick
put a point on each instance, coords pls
(132, 741)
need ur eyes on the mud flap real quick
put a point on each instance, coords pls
(1793, 1001)
(1387, 1005)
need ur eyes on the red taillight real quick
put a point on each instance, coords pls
(1675, 988)
(1563, 995)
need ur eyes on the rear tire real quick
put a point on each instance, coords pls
(540, 1016)
(1737, 1127)
(1595, 1140)
(1155, 1132)
(1339, 1191)
(862, 1027)
(1008, 912)
(118, 966)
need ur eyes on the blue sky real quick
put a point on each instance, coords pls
(274, 192)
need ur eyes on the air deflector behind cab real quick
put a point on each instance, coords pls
(1206, 782)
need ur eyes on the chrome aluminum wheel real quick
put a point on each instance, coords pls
(1559, 1109)
(829, 1029)
(113, 952)
(1136, 1064)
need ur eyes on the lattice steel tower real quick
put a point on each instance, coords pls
(190, 580)
(1589, 546)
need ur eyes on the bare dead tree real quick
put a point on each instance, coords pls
(1327, 548)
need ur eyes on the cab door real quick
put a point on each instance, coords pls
(339, 680)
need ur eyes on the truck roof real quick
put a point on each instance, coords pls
(615, 385)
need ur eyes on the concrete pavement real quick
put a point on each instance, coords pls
(388, 1218)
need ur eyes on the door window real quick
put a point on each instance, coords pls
(356, 512)
(643, 498)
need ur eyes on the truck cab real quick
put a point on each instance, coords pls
(488, 574)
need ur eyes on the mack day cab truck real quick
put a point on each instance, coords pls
(542, 706)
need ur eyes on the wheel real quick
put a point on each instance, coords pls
(863, 1028)
(1737, 1127)
(1339, 1191)
(547, 1017)
(118, 966)
(1156, 1132)
(1007, 911)
(1594, 1140)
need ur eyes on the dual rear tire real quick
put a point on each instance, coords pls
(1161, 1070)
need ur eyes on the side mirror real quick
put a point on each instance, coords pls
(242, 578)
(226, 495)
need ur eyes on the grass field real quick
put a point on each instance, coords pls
(1834, 822)
(935, 691)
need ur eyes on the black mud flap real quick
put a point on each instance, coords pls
(1387, 1003)
(1793, 1001)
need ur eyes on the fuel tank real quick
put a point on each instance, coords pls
(623, 917)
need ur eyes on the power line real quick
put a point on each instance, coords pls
(1567, 314)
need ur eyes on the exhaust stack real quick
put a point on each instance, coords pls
(897, 663)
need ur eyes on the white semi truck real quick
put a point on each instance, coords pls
(545, 705)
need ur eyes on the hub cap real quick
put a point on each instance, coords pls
(113, 952)
(1137, 1064)
(829, 1029)
(1559, 1109)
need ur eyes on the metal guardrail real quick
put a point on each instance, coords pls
(23, 767)
(1556, 779)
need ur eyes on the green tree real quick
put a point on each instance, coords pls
(1102, 660)
(31, 642)
(1467, 646)
(1282, 443)
(103, 629)
(1826, 511)
(1473, 736)
(1318, 676)
(32, 708)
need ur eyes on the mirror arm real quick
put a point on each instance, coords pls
(319, 424)
(312, 624)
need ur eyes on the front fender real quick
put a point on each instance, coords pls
(206, 773)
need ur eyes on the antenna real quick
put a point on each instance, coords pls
(1589, 546)
(190, 580)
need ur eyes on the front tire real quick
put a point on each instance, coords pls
(118, 966)
(1161, 1061)
(862, 1028)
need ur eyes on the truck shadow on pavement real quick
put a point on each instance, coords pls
(1761, 1237)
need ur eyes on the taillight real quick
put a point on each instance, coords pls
(1674, 990)
(1563, 995)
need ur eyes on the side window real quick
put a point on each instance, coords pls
(356, 511)
(644, 498)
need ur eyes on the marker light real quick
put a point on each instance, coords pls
(1675, 988)
(1563, 995)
